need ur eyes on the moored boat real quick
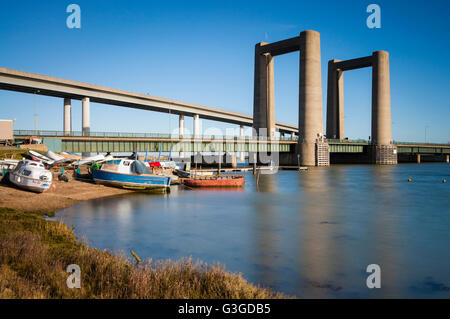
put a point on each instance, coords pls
(131, 174)
(215, 181)
(195, 173)
(31, 175)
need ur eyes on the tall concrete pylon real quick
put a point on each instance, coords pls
(381, 99)
(310, 120)
(264, 93)
(311, 148)
(335, 102)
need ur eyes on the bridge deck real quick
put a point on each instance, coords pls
(127, 142)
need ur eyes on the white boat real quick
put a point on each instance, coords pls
(54, 156)
(31, 175)
(89, 160)
(41, 157)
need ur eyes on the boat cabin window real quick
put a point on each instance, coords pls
(126, 163)
(33, 164)
(26, 172)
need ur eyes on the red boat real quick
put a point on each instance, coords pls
(215, 181)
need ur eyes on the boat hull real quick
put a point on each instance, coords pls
(30, 184)
(131, 181)
(225, 181)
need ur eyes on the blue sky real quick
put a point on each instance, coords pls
(202, 52)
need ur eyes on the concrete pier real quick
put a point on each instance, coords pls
(67, 116)
(310, 97)
(335, 102)
(86, 116)
(241, 135)
(181, 131)
(181, 126)
(264, 93)
(418, 158)
(447, 158)
(385, 151)
(196, 125)
(381, 99)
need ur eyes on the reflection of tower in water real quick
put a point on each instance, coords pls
(345, 229)
(317, 256)
(265, 239)
(384, 233)
(265, 183)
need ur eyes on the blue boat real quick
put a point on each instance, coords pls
(130, 174)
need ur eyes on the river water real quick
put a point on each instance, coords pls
(309, 234)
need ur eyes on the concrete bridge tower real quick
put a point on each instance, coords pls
(311, 147)
(381, 150)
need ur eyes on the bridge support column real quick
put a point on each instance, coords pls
(86, 116)
(181, 126)
(264, 93)
(196, 126)
(447, 158)
(181, 132)
(418, 158)
(86, 120)
(312, 150)
(385, 152)
(241, 135)
(67, 116)
(335, 102)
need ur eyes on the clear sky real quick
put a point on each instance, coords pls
(203, 51)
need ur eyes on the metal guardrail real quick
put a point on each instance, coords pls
(399, 143)
(421, 143)
(333, 140)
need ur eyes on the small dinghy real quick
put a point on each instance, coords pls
(195, 173)
(32, 176)
(53, 156)
(44, 159)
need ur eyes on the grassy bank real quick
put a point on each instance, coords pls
(34, 254)
(13, 153)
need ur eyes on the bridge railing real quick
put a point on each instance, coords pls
(420, 143)
(20, 133)
(346, 141)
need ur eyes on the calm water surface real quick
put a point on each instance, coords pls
(309, 234)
